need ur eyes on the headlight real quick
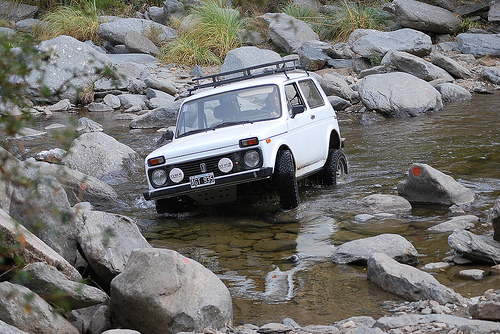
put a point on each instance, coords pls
(159, 177)
(251, 158)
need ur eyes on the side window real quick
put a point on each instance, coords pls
(292, 96)
(311, 94)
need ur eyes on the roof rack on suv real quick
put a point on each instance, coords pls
(246, 73)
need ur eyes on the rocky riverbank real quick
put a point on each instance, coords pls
(132, 285)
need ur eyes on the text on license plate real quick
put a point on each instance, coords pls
(202, 180)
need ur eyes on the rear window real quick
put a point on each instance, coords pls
(311, 94)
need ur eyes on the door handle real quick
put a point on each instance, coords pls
(313, 116)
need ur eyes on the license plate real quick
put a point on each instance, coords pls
(202, 180)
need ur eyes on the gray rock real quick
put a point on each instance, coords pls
(29, 25)
(247, 56)
(360, 250)
(100, 155)
(372, 70)
(16, 11)
(8, 329)
(494, 12)
(397, 94)
(161, 291)
(335, 85)
(98, 107)
(494, 219)
(173, 9)
(428, 185)
(116, 31)
(157, 14)
(157, 118)
(287, 32)
(476, 274)
(63, 105)
(155, 93)
(13, 166)
(132, 57)
(425, 17)
(8, 32)
(28, 134)
(162, 85)
(44, 321)
(46, 201)
(339, 103)
(86, 125)
(53, 156)
(456, 223)
(112, 101)
(453, 93)
(46, 280)
(487, 310)
(449, 65)
(418, 67)
(129, 100)
(107, 240)
(137, 86)
(158, 102)
(126, 72)
(274, 328)
(378, 203)
(492, 74)
(436, 266)
(378, 43)
(34, 249)
(137, 42)
(475, 247)
(340, 63)
(407, 281)
(479, 45)
(73, 62)
(312, 59)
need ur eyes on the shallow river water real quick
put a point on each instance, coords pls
(250, 246)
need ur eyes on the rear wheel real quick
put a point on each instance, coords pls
(286, 180)
(335, 169)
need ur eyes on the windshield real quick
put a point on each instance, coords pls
(235, 107)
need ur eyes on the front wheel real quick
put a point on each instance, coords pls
(335, 169)
(286, 181)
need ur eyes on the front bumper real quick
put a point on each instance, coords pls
(221, 181)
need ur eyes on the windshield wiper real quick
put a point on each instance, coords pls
(190, 132)
(223, 125)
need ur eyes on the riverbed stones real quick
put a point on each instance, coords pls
(425, 17)
(378, 43)
(116, 31)
(478, 248)
(450, 65)
(334, 85)
(397, 95)
(162, 117)
(494, 219)
(161, 291)
(479, 45)
(466, 222)
(492, 74)
(380, 203)
(408, 63)
(487, 310)
(453, 93)
(426, 184)
(407, 281)
(359, 251)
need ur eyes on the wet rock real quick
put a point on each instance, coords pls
(418, 67)
(436, 266)
(475, 247)
(28, 134)
(34, 249)
(116, 31)
(287, 32)
(466, 222)
(488, 310)
(360, 250)
(52, 156)
(63, 105)
(98, 107)
(47, 202)
(48, 282)
(274, 328)
(378, 203)
(396, 95)
(479, 45)
(157, 118)
(86, 125)
(378, 43)
(453, 93)
(428, 185)
(494, 219)
(161, 291)
(407, 281)
(425, 17)
(107, 240)
(449, 65)
(112, 101)
(476, 274)
(334, 85)
(492, 74)
(45, 320)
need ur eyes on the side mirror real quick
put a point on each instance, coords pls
(166, 137)
(297, 109)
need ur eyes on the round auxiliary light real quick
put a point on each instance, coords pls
(176, 175)
(251, 158)
(225, 165)
(159, 177)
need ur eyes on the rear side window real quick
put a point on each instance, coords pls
(311, 94)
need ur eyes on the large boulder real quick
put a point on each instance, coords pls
(125, 73)
(116, 31)
(407, 281)
(428, 185)
(247, 56)
(418, 67)
(479, 248)
(16, 11)
(492, 74)
(107, 240)
(287, 32)
(453, 93)
(334, 85)
(8, 329)
(161, 291)
(465, 222)
(378, 43)
(421, 16)
(360, 250)
(450, 65)
(157, 118)
(479, 45)
(100, 155)
(379, 203)
(15, 310)
(54, 286)
(70, 69)
(13, 170)
(137, 42)
(397, 95)
(494, 219)
(44, 209)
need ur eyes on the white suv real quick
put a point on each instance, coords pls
(268, 122)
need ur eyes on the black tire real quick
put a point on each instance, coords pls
(286, 181)
(171, 205)
(335, 169)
